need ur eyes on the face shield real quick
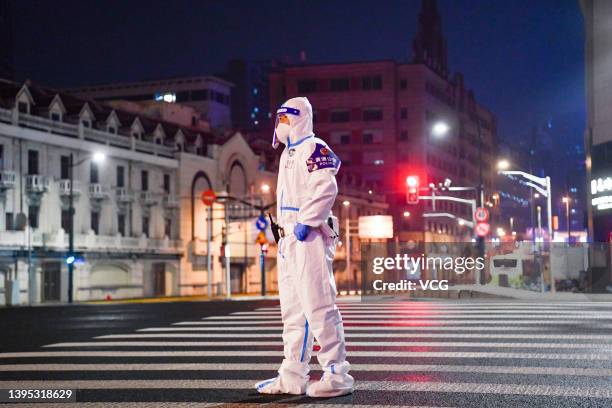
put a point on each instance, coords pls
(283, 125)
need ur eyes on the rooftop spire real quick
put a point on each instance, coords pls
(429, 45)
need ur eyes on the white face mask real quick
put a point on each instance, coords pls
(282, 133)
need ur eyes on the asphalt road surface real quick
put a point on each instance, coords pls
(494, 353)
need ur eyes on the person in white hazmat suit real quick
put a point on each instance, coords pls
(306, 191)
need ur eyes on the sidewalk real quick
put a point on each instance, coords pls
(529, 295)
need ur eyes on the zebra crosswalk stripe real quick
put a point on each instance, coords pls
(497, 349)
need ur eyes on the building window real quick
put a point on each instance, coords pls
(64, 167)
(371, 82)
(112, 129)
(339, 116)
(8, 221)
(339, 84)
(65, 220)
(32, 161)
(121, 224)
(199, 95)
(372, 114)
(345, 139)
(120, 176)
(144, 180)
(94, 177)
(307, 86)
(23, 107)
(168, 228)
(95, 222)
(1, 157)
(33, 212)
(167, 183)
(403, 84)
(145, 226)
(404, 113)
(368, 138)
(56, 117)
(86, 123)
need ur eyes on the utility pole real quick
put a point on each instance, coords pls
(70, 257)
(209, 233)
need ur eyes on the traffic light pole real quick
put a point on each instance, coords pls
(480, 240)
(262, 266)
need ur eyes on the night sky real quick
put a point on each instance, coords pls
(523, 58)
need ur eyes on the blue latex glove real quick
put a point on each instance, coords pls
(301, 231)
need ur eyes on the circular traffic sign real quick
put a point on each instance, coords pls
(208, 197)
(482, 229)
(261, 223)
(481, 214)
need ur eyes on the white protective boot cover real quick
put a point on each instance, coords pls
(335, 382)
(292, 379)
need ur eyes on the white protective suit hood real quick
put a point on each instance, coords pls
(299, 112)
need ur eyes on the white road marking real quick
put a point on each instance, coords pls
(468, 387)
(436, 312)
(401, 317)
(410, 368)
(396, 322)
(183, 326)
(274, 353)
(602, 348)
(573, 337)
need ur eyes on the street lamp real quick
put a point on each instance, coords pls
(503, 164)
(406, 214)
(541, 185)
(97, 157)
(566, 201)
(265, 188)
(440, 129)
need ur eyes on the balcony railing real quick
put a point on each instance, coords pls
(7, 179)
(92, 242)
(64, 187)
(170, 201)
(97, 191)
(124, 195)
(148, 198)
(35, 183)
(93, 135)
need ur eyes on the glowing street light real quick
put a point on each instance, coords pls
(503, 164)
(406, 214)
(440, 129)
(346, 203)
(98, 157)
(265, 188)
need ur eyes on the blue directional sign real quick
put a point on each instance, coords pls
(261, 223)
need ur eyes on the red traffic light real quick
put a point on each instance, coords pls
(412, 192)
(412, 181)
